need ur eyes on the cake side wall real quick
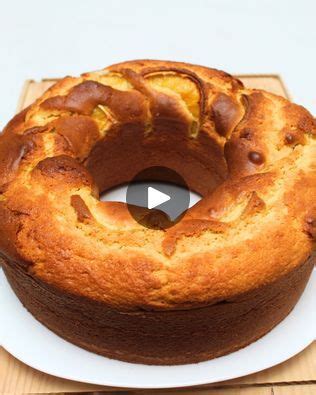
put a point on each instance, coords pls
(156, 337)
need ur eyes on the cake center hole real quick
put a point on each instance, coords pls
(170, 198)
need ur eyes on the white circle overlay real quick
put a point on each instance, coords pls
(35, 345)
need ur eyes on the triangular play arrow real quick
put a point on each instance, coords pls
(155, 197)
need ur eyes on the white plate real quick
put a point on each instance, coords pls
(32, 343)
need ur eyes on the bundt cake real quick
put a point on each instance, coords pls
(223, 276)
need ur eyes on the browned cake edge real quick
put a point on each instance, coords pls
(161, 337)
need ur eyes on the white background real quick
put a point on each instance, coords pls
(54, 38)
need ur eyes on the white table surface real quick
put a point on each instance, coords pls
(54, 38)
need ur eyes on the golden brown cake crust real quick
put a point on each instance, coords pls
(161, 337)
(251, 155)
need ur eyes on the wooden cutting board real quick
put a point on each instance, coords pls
(293, 377)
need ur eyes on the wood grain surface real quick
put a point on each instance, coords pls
(296, 376)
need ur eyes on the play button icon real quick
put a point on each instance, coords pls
(157, 197)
